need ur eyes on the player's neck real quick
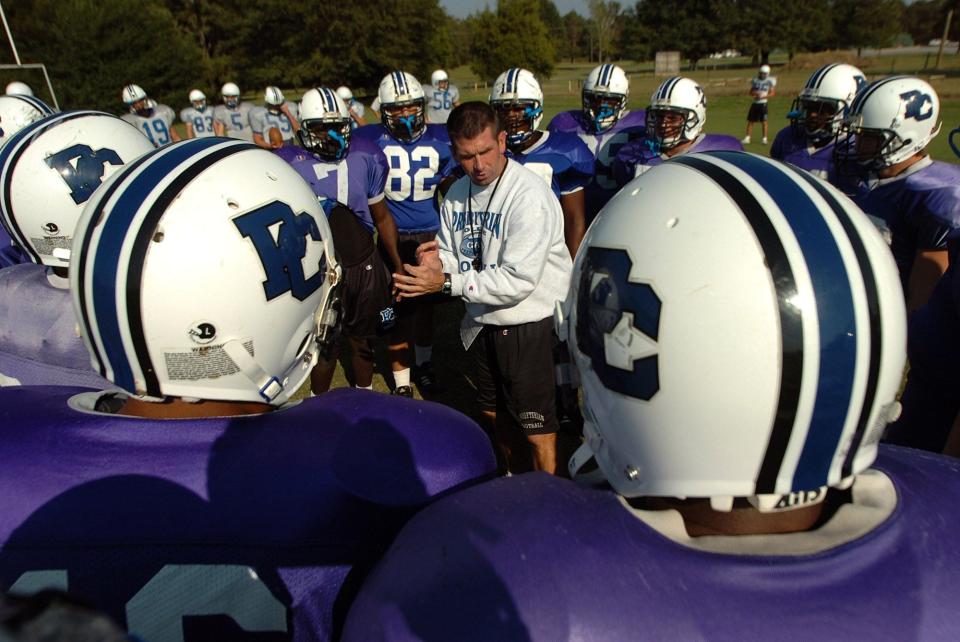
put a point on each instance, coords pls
(176, 408)
(679, 149)
(528, 143)
(700, 519)
(898, 168)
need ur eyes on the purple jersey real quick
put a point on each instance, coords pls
(415, 169)
(39, 344)
(219, 528)
(921, 207)
(10, 254)
(604, 148)
(561, 159)
(931, 400)
(356, 181)
(534, 557)
(791, 146)
(638, 156)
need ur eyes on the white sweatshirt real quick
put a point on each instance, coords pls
(519, 235)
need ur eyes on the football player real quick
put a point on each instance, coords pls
(762, 88)
(197, 118)
(739, 331)
(675, 119)
(815, 119)
(605, 125)
(232, 118)
(442, 98)
(195, 502)
(354, 106)
(890, 124)
(153, 120)
(353, 172)
(418, 156)
(277, 114)
(560, 158)
(48, 171)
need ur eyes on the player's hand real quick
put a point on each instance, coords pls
(275, 138)
(428, 255)
(417, 281)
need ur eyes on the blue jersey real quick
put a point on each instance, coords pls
(536, 558)
(560, 159)
(921, 207)
(415, 170)
(638, 156)
(10, 254)
(39, 344)
(791, 146)
(604, 148)
(356, 181)
(931, 400)
(224, 527)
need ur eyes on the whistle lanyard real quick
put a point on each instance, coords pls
(478, 259)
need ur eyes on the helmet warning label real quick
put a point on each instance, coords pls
(202, 362)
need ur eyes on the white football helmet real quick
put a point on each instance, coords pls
(891, 120)
(324, 124)
(50, 168)
(273, 98)
(198, 99)
(518, 100)
(135, 98)
(146, 239)
(17, 111)
(17, 88)
(764, 71)
(231, 95)
(604, 96)
(677, 112)
(739, 330)
(345, 94)
(402, 106)
(440, 76)
(824, 101)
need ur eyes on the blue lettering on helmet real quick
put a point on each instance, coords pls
(84, 176)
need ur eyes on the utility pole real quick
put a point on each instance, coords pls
(943, 41)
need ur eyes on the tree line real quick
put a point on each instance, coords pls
(92, 47)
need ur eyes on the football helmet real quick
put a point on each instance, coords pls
(773, 375)
(518, 100)
(825, 99)
(324, 124)
(890, 120)
(402, 106)
(17, 88)
(764, 71)
(198, 99)
(440, 79)
(273, 99)
(135, 98)
(145, 240)
(51, 167)
(231, 95)
(19, 110)
(677, 112)
(604, 96)
(345, 94)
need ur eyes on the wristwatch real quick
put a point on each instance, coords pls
(447, 287)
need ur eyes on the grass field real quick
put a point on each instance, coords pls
(726, 87)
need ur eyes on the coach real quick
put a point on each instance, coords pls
(501, 249)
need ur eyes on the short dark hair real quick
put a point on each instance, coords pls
(470, 119)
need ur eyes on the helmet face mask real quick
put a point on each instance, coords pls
(603, 110)
(404, 120)
(328, 138)
(519, 119)
(677, 112)
(817, 119)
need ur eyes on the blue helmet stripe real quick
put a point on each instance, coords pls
(835, 314)
(868, 91)
(605, 72)
(329, 102)
(36, 103)
(10, 154)
(399, 83)
(107, 257)
(512, 80)
(819, 75)
(667, 88)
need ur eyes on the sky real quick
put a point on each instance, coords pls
(463, 8)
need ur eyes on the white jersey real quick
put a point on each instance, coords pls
(201, 121)
(514, 233)
(440, 102)
(764, 86)
(262, 120)
(156, 127)
(236, 121)
(357, 110)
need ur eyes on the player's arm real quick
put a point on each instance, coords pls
(219, 128)
(285, 108)
(387, 231)
(574, 220)
(928, 268)
(174, 136)
(190, 132)
(357, 118)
